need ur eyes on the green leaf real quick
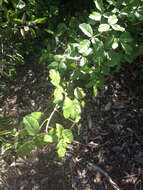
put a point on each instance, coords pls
(5, 132)
(113, 58)
(86, 29)
(61, 144)
(126, 37)
(95, 91)
(111, 2)
(139, 14)
(83, 46)
(62, 66)
(52, 132)
(127, 48)
(26, 148)
(58, 95)
(55, 77)
(36, 115)
(95, 16)
(118, 27)
(40, 20)
(103, 28)
(59, 129)
(71, 108)
(6, 1)
(1, 1)
(39, 141)
(99, 5)
(21, 4)
(112, 19)
(76, 110)
(17, 20)
(115, 45)
(79, 93)
(83, 61)
(108, 42)
(61, 152)
(58, 57)
(67, 107)
(67, 135)
(31, 125)
(48, 138)
(53, 65)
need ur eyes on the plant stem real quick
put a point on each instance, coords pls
(49, 119)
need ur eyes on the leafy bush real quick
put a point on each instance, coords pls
(82, 52)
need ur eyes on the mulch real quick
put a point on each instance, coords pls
(106, 155)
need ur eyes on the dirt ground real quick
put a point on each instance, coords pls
(108, 153)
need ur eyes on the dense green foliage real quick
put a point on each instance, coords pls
(81, 42)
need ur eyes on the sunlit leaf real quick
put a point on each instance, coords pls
(21, 4)
(67, 135)
(86, 29)
(95, 16)
(67, 107)
(115, 45)
(59, 129)
(95, 91)
(55, 77)
(118, 27)
(36, 115)
(99, 5)
(58, 95)
(48, 138)
(103, 28)
(79, 93)
(83, 46)
(112, 19)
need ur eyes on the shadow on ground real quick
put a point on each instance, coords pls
(107, 155)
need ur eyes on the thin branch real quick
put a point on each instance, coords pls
(49, 119)
(94, 166)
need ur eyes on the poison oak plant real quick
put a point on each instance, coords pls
(103, 41)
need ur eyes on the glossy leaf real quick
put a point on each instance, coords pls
(103, 28)
(86, 29)
(95, 16)
(99, 5)
(112, 19)
(83, 61)
(83, 46)
(21, 4)
(115, 45)
(118, 27)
